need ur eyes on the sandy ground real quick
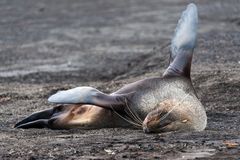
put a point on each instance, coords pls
(47, 45)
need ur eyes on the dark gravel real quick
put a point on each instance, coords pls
(47, 45)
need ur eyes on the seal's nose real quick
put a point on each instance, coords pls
(146, 130)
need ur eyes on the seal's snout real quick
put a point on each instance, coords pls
(150, 123)
(145, 125)
(146, 130)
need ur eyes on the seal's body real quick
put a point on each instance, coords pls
(159, 104)
(166, 94)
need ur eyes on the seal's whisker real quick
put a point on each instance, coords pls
(133, 115)
(165, 116)
(132, 118)
(127, 120)
(136, 118)
(129, 115)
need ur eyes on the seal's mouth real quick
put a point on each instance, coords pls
(151, 124)
(146, 130)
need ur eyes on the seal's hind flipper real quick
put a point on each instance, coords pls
(183, 43)
(88, 95)
(36, 117)
(41, 123)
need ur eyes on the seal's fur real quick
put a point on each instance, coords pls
(159, 104)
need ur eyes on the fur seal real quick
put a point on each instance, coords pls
(158, 104)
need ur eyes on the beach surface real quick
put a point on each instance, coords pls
(46, 46)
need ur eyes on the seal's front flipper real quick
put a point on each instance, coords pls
(183, 43)
(88, 95)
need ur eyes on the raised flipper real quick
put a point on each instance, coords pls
(89, 95)
(183, 43)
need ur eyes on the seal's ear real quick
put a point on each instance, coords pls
(183, 43)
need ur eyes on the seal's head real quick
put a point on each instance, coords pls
(159, 121)
(171, 115)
